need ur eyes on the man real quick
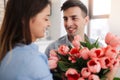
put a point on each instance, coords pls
(75, 18)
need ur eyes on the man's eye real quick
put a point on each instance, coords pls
(65, 19)
(74, 18)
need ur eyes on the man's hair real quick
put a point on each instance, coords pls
(73, 3)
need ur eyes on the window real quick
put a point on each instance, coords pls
(99, 11)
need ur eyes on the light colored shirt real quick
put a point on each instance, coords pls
(25, 62)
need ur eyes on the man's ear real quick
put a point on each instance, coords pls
(87, 19)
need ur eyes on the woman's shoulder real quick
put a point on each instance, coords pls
(23, 47)
(25, 50)
(28, 52)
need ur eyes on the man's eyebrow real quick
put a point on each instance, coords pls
(73, 16)
(64, 17)
(70, 16)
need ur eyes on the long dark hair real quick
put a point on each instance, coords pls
(15, 26)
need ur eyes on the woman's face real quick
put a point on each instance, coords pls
(39, 23)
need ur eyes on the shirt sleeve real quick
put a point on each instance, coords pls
(50, 47)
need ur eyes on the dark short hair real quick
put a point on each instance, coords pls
(73, 3)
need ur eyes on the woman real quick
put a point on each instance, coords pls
(24, 21)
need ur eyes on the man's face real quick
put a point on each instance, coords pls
(74, 21)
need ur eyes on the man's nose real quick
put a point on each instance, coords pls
(69, 22)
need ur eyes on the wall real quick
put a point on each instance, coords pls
(1, 10)
(55, 29)
(114, 21)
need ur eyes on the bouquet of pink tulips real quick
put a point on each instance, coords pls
(85, 60)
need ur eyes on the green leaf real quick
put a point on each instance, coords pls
(57, 75)
(63, 58)
(96, 44)
(90, 45)
(116, 78)
(103, 78)
(103, 72)
(78, 65)
(63, 65)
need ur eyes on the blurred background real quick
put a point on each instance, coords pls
(104, 17)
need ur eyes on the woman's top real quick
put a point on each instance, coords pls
(25, 62)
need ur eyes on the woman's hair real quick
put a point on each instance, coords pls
(74, 3)
(15, 26)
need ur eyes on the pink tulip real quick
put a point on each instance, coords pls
(94, 66)
(72, 74)
(85, 72)
(96, 52)
(115, 42)
(63, 50)
(52, 64)
(109, 36)
(75, 52)
(72, 59)
(76, 43)
(114, 63)
(81, 78)
(93, 77)
(84, 52)
(110, 52)
(78, 38)
(112, 40)
(105, 62)
(52, 53)
(53, 59)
